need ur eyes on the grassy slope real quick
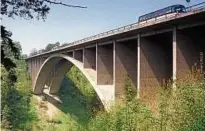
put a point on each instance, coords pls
(78, 99)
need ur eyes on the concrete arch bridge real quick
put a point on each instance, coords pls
(150, 53)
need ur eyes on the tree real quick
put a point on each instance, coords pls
(7, 46)
(33, 52)
(30, 8)
(13, 104)
(26, 9)
(65, 44)
(50, 47)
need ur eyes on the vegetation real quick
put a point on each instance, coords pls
(27, 9)
(182, 109)
(89, 96)
(16, 109)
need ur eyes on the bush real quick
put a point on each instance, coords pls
(182, 109)
(87, 94)
(17, 112)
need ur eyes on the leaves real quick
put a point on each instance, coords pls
(29, 9)
(9, 49)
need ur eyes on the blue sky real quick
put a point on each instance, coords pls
(65, 24)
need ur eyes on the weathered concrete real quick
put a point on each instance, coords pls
(155, 65)
(138, 65)
(63, 67)
(78, 55)
(190, 46)
(150, 54)
(125, 65)
(40, 80)
(90, 58)
(69, 53)
(105, 64)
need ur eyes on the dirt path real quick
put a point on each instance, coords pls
(46, 109)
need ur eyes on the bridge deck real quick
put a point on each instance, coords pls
(128, 28)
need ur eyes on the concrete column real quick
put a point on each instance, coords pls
(90, 58)
(138, 66)
(174, 49)
(105, 64)
(73, 53)
(38, 65)
(114, 67)
(35, 67)
(125, 65)
(32, 72)
(29, 66)
(42, 61)
(44, 75)
(96, 62)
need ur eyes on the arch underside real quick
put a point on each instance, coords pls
(63, 63)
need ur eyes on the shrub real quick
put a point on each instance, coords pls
(182, 109)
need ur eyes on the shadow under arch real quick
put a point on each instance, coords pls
(49, 64)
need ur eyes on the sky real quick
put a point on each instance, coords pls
(66, 25)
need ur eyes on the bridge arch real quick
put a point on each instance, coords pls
(65, 63)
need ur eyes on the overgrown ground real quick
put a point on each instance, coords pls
(182, 109)
(78, 105)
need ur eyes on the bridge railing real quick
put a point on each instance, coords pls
(129, 27)
(196, 7)
(133, 26)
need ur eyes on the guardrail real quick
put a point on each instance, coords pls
(196, 7)
(128, 28)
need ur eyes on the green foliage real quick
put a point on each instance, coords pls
(6, 118)
(50, 47)
(130, 90)
(132, 116)
(76, 109)
(182, 110)
(73, 104)
(25, 9)
(89, 97)
(9, 51)
(17, 112)
(29, 8)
